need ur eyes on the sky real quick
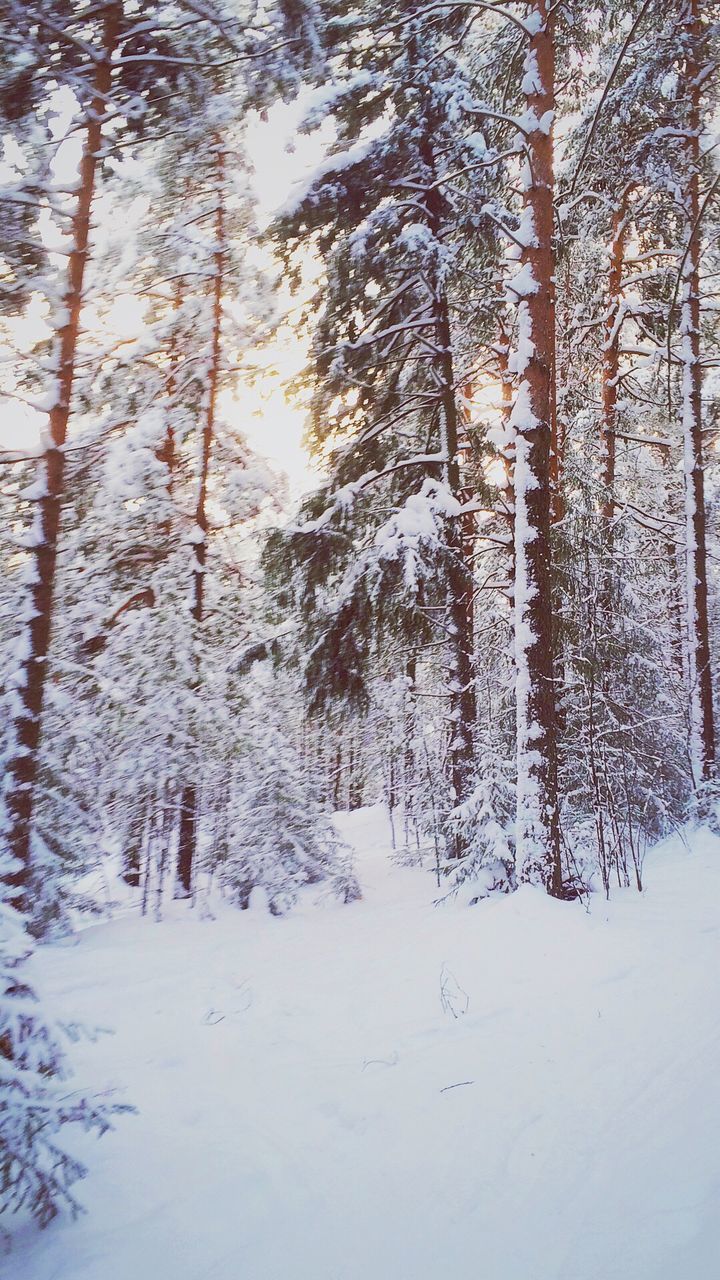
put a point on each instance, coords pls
(280, 157)
(272, 424)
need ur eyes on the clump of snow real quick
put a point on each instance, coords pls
(523, 284)
(416, 525)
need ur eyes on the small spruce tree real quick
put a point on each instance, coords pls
(36, 1174)
(280, 837)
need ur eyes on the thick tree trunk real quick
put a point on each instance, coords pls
(23, 763)
(702, 728)
(187, 843)
(533, 418)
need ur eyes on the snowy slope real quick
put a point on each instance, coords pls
(314, 1104)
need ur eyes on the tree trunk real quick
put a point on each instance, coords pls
(506, 506)
(409, 753)
(187, 839)
(201, 521)
(133, 845)
(702, 729)
(612, 329)
(460, 603)
(167, 451)
(533, 417)
(187, 842)
(611, 361)
(460, 597)
(23, 763)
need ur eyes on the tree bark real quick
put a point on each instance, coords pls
(533, 418)
(611, 360)
(23, 763)
(460, 596)
(167, 451)
(612, 330)
(460, 600)
(187, 840)
(702, 728)
(506, 506)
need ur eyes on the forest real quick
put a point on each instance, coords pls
(359, 630)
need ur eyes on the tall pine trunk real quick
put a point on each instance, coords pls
(460, 596)
(460, 606)
(533, 418)
(612, 329)
(23, 762)
(167, 451)
(702, 729)
(611, 362)
(189, 803)
(506, 505)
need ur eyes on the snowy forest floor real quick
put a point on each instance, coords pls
(316, 1102)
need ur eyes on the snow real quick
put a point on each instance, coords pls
(534, 22)
(320, 101)
(529, 122)
(327, 168)
(526, 235)
(518, 361)
(523, 284)
(523, 418)
(36, 491)
(416, 525)
(532, 81)
(394, 1090)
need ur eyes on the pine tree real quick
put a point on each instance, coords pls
(155, 81)
(48, 491)
(392, 210)
(280, 839)
(534, 421)
(36, 1173)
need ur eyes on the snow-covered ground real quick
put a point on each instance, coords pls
(396, 1091)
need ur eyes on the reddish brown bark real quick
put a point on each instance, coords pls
(23, 765)
(534, 417)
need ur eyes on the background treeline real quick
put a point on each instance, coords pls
(498, 611)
